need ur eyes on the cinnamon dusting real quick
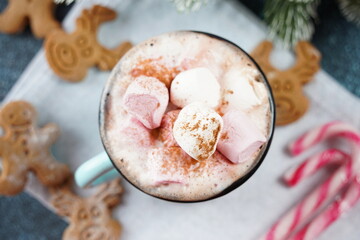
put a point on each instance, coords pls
(153, 67)
(176, 160)
(207, 146)
(196, 126)
(224, 136)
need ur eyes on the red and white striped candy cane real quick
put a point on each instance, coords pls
(318, 134)
(331, 214)
(313, 164)
(303, 211)
(335, 128)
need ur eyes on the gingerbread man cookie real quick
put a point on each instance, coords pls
(287, 85)
(39, 14)
(89, 218)
(70, 55)
(25, 147)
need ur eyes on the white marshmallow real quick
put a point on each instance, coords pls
(195, 85)
(240, 89)
(197, 130)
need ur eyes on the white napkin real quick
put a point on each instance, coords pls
(242, 214)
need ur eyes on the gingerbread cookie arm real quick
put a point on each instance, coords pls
(39, 29)
(12, 172)
(109, 58)
(308, 61)
(12, 19)
(49, 134)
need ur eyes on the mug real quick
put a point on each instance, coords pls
(101, 168)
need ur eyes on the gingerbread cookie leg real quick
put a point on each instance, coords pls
(12, 176)
(49, 171)
(12, 19)
(42, 24)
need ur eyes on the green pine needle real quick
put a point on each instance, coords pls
(351, 10)
(67, 2)
(290, 20)
(189, 5)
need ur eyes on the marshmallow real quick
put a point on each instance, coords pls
(167, 124)
(137, 133)
(240, 138)
(195, 85)
(239, 85)
(146, 99)
(197, 130)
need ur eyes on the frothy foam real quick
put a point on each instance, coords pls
(143, 158)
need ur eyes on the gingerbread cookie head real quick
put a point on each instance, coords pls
(89, 218)
(17, 114)
(25, 148)
(70, 55)
(291, 103)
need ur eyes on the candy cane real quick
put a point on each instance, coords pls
(318, 198)
(301, 213)
(331, 214)
(318, 134)
(313, 164)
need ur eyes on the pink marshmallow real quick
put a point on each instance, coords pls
(138, 133)
(146, 99)
(240, 138)
(166, 128)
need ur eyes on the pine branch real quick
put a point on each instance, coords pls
(67, 2)
(351, 10)
(290, 20)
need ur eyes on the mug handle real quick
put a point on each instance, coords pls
(95, 171)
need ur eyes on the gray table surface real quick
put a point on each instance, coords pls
(22, 217)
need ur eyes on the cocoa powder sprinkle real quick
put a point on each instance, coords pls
(224, 136)
(196, 126)
(154, 68)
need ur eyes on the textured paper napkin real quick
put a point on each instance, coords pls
(242, 214)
